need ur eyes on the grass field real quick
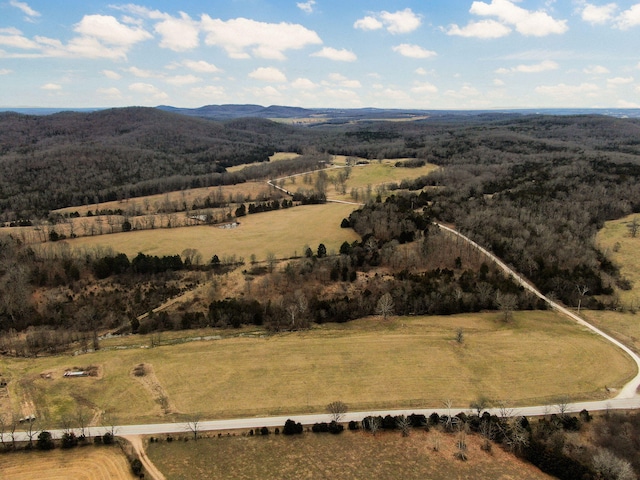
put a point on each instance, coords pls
(373, 174)
(85, 463)
(615, 241)
(401, 363)
(349, 456)
(284, 233)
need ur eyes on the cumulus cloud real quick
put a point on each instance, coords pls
(111, 93)
(109, 30)
(12, 37)
(544, 66)
(51, 87)
(424, 87)
(342, 55)
(413, 51)
(595, 70)
(182, 80)
(368, 23)
(178, 34)
(303, 84)
(151, 91)
(402, 21)
(5, 71)
(467, 91)
(111, 74)
(612, 82)
(629, 18)
(306, 7)
(210, 91)
(507, 15)
(139, 72)
(26, 9)
(563, 90)
(268, 74)
(598, 14)
(481, 29)
(266, 40)
(339, 80)
(200, 66)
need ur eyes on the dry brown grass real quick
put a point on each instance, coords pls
(284, 233)
(86, 463)
(369, 364)
(351, 455)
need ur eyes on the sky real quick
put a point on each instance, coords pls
(410, 54)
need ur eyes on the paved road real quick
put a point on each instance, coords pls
(627, 398)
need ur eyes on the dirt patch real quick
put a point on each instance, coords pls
(145, 374)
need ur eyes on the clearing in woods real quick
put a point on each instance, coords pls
(87, 463)
(284, 233)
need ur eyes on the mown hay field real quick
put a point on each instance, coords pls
(86, 463)
(284, 233)
(349, 456)
(405, 362)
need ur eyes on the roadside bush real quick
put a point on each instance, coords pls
(45, 441)
(136, 467)
(292, 428)
(107, 438)
(69, 440)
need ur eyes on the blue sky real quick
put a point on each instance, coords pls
(428, 54)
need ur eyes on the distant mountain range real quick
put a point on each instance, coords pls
(313, 116)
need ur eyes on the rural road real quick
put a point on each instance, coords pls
(627, 397)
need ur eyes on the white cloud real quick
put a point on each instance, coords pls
(424, 87)
(138, 72)
(306, 7)
(629, 18)
(267, 40)
(12, 37)
(111, 93)
(183, 80)
(343, 55)
(200, 66)
(627, 104)
(268, 74)
(619, 81)
(51, 87)
(544, 66)
(598, 14)
(25, 8)
(481, 29)
(178, 34)
(498, 83)
(368, 23)
(210, 92)
(5, 71)
(529, 23)
(421, 71)
(563, 90)
(413, 51)
(111, 74)
(595, 70)
(109, 30)
(402, 21)
(269, 92)
(303, 84)
(151, 91)
(338, 80)
(394, 94)
(467, 91)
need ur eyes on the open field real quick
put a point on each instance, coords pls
(152, 203)
(84, 463)
(284, 233)
(351, 455)
(273, 158)
(402, 363)
(361, 177)
(615, 241)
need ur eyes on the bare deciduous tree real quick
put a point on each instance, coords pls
(633, 226)
(507, 303)
(610, 467)
(337, 410)
(404, 425)
(385, 306)
(193, 425)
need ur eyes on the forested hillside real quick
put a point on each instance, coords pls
(49, 162)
